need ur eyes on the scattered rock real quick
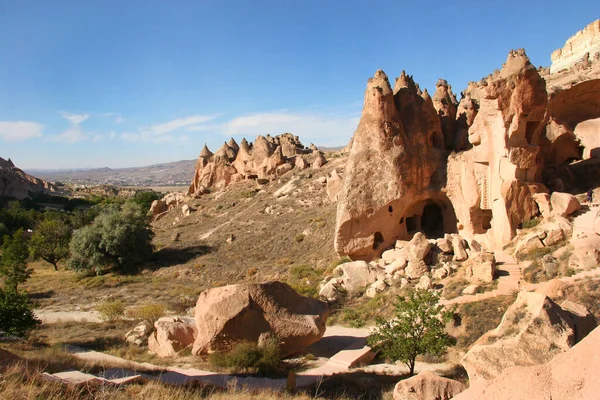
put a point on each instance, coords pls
(171, 335)
(356, 275)
(470, 290)
(416, 269)
(564, 204)
(543, 202)
(376, 287)
(424, 283)
(139, 334)
(458, 247)
(528, 243)
(481, 267)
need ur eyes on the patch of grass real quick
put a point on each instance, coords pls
(533, 222)
(111, 310)
(148, 312)
(454, 288)
(480, 317)
(353, 318)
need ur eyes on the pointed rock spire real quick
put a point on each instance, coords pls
(206, 153)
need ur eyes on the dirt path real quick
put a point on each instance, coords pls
(53, 317)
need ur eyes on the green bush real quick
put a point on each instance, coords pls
(145, 199)
(16, 313)
(50, 241)
(249, 357)
(111, 310)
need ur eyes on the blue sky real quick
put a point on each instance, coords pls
(130, 83)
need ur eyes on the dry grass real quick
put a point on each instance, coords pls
(479, 317)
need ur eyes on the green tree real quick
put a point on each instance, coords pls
(418, 328)
(50, 241)
(119, 238)
(145, 199)
(13, 261)
(16, 313)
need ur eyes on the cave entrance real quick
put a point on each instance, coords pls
(432, 221)
(434, 217)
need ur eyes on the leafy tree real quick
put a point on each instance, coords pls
(50, 241)
(418, 328)
(145, 199)
(118, 238)
(16, 313)
(13, 262)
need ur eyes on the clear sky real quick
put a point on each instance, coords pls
(93, 83)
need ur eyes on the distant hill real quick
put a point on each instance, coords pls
(164, 174)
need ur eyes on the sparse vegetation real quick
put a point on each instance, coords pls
(533, 222)
(249, 357)
(148, 312)
(479, 317)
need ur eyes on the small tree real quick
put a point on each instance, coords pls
(16, 313)
(118, 238)
(50, 241)
(418, 328)
(13, 261)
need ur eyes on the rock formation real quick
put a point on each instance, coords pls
(570, 375)
(532, 331)
(426, 386)
(231, 314)
(400, 178)
(583, 45)
(14, 183)
(264, 159)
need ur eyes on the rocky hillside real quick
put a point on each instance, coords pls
(14, 183)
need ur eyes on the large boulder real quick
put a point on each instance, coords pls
(171, 335)
(427, 386)
(570, 375)
(564, 204)
(356, 275)
(157, 207)
(532, 331)
(481, 267)
(232, 314)
(418, 247)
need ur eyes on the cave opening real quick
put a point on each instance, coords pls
(432, 221)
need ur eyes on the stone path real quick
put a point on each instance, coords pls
(353, 355)
(510, 271)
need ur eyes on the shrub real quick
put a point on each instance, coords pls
(16, 313)
(111, 310)
(299, 238)
(145, 199)
(249, 357)
(148, 312)
(353, 318)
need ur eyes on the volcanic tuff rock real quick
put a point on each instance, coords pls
(263, 159)
(583, 45)
(568, 376)
(426, 386)
(15, 183)
(171, 335)
(400, 178)
(231, 314)
(532, 331)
